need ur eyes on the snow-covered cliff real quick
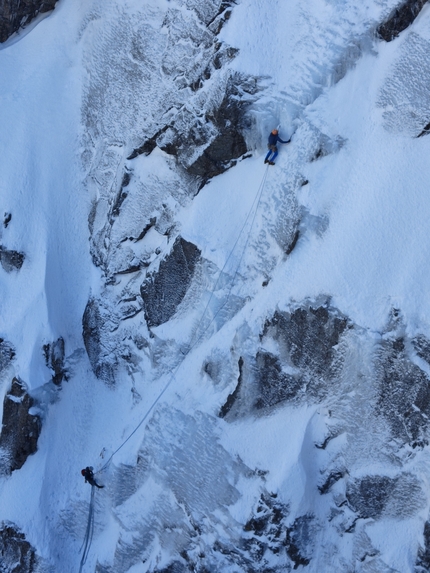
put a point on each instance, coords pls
(240, 350)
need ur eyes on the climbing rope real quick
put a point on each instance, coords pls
(197, 339)
(194, 341)
(89, 532)
(257, 200)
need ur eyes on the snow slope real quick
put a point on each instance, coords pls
(353, 180)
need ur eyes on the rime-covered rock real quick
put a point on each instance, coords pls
(423, 558)
(265, 532)
(404, 391)
(307, 338)
(11, 260)
(54, 357)
(7, 354)
(400, 19)
(164, 290)
(20, 428)
(300, 540)
(16, 553)
(96, 323)
(15, 14)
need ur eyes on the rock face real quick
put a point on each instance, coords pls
(11, 260)
(20, 429)
(15, 14)
(7, 354)
(95, 322)
(300, 540)
(400, 19)
(306, 363)
(226, 142)
(404, 396)
(265, 533)
(16, 553)
(54, 357)
(163, 291)
(423, 561)
(217, 136)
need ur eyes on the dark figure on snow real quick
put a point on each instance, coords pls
(89, 477)
(273, 150)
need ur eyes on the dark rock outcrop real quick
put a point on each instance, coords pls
(264, 532)
(400, 19)
(425, 130)
(148, 145)
(7, 219)
(422, 347)
(229, 143)
(423, 558)
(163, 291)
(404, 395)
(274, 385)
(369, 496)
(299, 540)
(15, 14)
(293, 243)
(332, 478)
(121, 196)
(218, 133)
(11, 260)
(7, 354)
(231, 399)
(16, 553)
(306, 338)
(302, 364)
(54, 357)
(95, 322)
(20, 429)
(226, 121)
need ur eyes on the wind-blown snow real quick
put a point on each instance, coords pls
(354, 181)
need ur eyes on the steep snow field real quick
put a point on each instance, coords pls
(362, 211)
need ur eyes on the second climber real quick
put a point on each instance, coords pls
(271, 144)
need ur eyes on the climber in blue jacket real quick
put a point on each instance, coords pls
(271, 144)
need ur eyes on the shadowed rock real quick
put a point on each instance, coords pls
(17, 555)
(299, 540)
(231, 399)
(11, 260)
(7, 354)
(218, 133)
(15, 14)
(164, 290)
(95, 332)
(54, 357)
(265, 531)
(229, 144)
(7, 219)
(422, 347)
(20, 429)
(274, 385)
(369, 496)
(307, 338)
(423, 558)
(400, 19)
(404, 395)
(425, 131)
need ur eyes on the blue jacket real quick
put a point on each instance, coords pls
(273, 139)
